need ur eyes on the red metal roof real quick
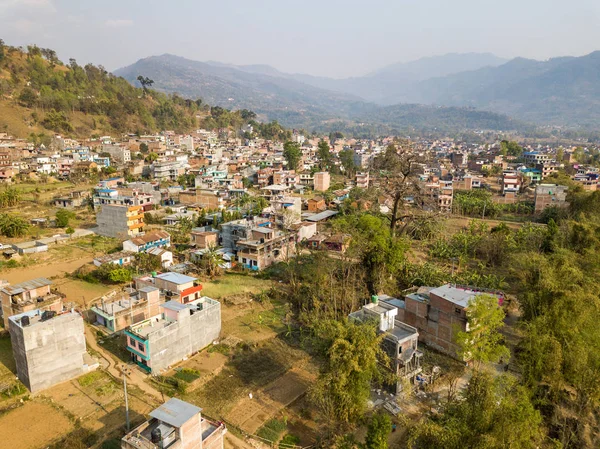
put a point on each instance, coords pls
(189, 291)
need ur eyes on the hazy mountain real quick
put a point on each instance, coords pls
(283, 97)
(558, 91)
(387, 85)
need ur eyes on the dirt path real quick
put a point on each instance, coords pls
(108, 363)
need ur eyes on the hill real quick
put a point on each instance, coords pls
(560, 91)
(278, 96)
(250, 87)
(40, 94)
(390, 85)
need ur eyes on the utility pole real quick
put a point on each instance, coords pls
(125, 374)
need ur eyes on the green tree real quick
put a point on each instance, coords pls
(482, 342)
(28, 97)
(292, 154)
(146, 263)
(347, 161)
(353, 351)
(63, 217)
(119, 275)
(13, 226)
(495, 413)
(379, 428)
(151, 157)
(143, 147)
(324, 155)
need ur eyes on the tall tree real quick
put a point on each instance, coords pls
(292, 154)
(379, 428)
(324, 154)
(353, 351)
(482, 342)
(395, 172)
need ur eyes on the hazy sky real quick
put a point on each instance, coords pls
(325, 37)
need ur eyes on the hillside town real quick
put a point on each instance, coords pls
(165, 220)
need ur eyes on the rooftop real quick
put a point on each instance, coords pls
(175, 412)
(175, 278)
(25, 286)
(460, 295)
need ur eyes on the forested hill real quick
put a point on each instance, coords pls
(40, 94)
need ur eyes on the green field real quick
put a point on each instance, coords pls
(234, 284)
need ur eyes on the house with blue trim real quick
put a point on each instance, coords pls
(178, 332)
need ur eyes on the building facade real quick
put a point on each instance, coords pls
(180, 331)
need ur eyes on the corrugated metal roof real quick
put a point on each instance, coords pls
(27, 285)
(176, 278)
(322, 216)
(175, 412)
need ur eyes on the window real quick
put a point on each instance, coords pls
(399, 350)
(141, 346)
(131, 342)
(457, 310)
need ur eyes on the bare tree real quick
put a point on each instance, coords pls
(395, 172)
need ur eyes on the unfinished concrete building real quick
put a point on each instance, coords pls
(119, 221)
(121, 313)
(49, 347)
(400, 340)
(180, 330)
(176, 425)
(547, 195)
(30, 295)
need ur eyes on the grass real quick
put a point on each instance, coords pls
(187, 374)
(248, 370)
(272, 430)
(231, 284)
(90, 378)
(291, 440)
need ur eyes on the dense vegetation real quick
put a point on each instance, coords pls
(84, 100)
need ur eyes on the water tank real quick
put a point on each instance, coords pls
(374, 299)
(156, 436)
(25, 321)
(154, 274)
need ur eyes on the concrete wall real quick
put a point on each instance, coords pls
(112, 221)
(190, 334)
(49, 352)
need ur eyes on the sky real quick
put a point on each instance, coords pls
(336, 38)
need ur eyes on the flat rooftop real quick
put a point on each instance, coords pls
(460, 295)
(175, 412)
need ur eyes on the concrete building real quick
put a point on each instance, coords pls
(116, 197)
(264, 247)
(48, 347)
(547, 195)
(120, 221)
(203, 239)
(439, 313)
(362, 180)
(174, 286)
(511, 183)
(233, 231)
(180, 331)
(322, 181)
(176, 425)
(119, 154)
(400, 340)
(35, 294)
(119, 314)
